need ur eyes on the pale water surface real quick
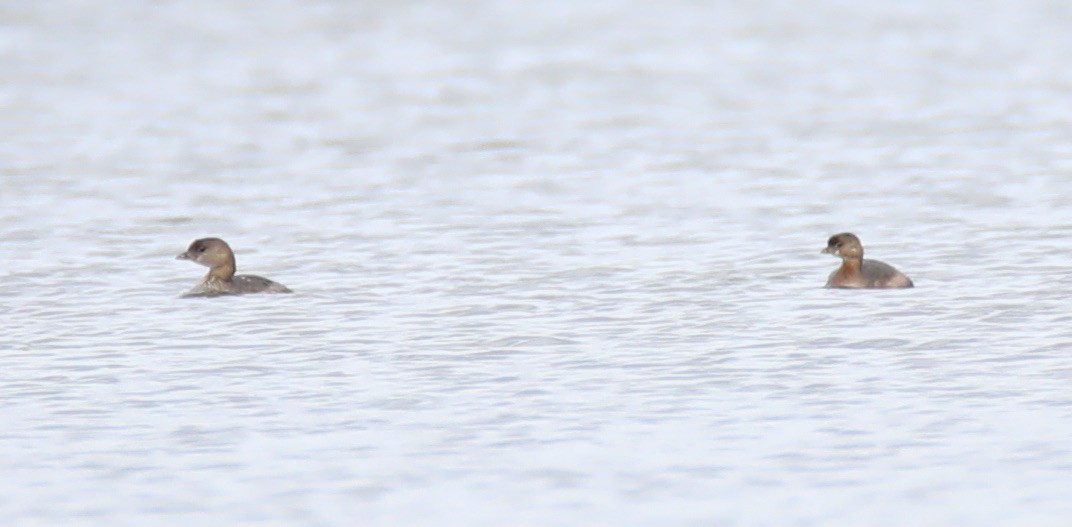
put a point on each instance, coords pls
(555, 263)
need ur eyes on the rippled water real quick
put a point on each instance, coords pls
(555, 263)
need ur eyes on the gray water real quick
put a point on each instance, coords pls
(555, 263)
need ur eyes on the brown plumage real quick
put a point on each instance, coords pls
(215, 254)
(856, 272)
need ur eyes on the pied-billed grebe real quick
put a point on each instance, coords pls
(855, 272)
(215, 254)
